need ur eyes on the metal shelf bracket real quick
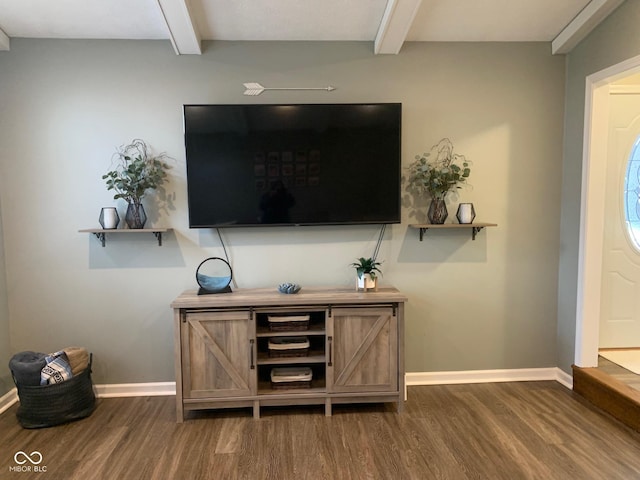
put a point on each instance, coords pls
(102, 237)
(158, 235)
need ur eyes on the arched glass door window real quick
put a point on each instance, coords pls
(632, 195)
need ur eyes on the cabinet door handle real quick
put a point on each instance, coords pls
(251, 355)
(330, 339)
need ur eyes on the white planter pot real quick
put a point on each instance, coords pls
(365, 282)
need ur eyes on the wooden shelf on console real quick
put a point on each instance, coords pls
(100, 233)
(313, 357)
(475, 227)
(317, 387)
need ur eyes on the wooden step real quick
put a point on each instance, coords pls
(609, 394)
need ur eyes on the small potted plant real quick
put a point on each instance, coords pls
(136, 172)
(435, 174)
(366, 269)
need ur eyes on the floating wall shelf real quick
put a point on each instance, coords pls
(100, 233)
(475, 227)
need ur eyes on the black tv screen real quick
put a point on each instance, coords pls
(307, 164)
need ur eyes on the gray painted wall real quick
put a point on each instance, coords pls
(66, 105)
(6, 383)
(615, 40)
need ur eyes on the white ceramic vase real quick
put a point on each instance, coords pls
(366, 282)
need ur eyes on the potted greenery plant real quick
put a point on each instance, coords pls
(136, 172)
(435, 174)
(366, 269)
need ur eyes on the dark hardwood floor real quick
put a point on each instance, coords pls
(537, 430)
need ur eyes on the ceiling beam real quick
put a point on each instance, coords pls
(588, 19)
(394, 27)
(183, 32)
(5, 42)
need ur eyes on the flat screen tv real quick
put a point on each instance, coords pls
(306, 164)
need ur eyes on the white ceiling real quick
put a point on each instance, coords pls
(388, 23)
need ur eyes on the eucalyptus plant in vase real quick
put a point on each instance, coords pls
(435, 174)
(136, 172)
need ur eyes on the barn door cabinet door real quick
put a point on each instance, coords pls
(217, 354)
(362, 345)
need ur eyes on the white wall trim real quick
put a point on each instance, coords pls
(395, 25)
(592, 203)
(5, 41)
(183, 32)
(109, 391)
(489, 376)
(564, 378)
(8, 399)
(153, 389)
(594, 159)
(588, 19)
(411, 379)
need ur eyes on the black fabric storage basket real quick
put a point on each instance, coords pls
(49, 405)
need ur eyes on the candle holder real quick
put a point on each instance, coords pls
(109, 218)
(466, 213)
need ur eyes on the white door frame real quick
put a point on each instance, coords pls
(594, 165)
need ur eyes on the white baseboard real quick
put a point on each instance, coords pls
(8, 399)
(489, 376)
(411, 379)
(135, 389)
(109, 391)
(564, 378)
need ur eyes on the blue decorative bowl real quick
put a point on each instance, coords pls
(288, 288)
